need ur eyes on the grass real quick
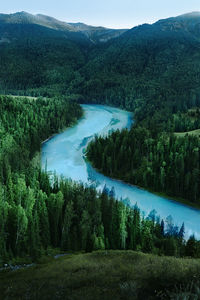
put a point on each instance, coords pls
(18, 96)
(101, 275)
(193, 132)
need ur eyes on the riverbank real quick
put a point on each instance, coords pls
(64, 155)
(64, 128)
(160, 194)
(19, 263)
(177, 199)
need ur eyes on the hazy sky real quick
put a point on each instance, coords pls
(110, 13)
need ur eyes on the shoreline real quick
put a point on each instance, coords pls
(65, 128)
(180, 200)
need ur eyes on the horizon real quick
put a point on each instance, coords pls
(112, 14)
(99, 25)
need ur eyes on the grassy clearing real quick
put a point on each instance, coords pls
(100, 275)
(17, 96)
(25, 97)
(193, 132)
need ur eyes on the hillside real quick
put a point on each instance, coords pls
(33, 56)
(39, 51)
(148, 67)
(97, 34)
(154, 71)
(189, 23)
(91, 34)
(107, 275)
(145, 68)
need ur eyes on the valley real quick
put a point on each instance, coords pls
(104, 122)
(64, 155)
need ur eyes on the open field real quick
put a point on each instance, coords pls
(193, 132)
(17, 96)
(100, 275)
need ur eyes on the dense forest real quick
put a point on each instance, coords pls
(149, 67)
(38, 213)
(25, 123)
(164, 163)
(188, 121)
(156, 79)
(151, 70)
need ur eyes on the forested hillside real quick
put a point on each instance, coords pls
(150, 69)
(35, 57)
(154, 71)
(40, 55)
(147, 68)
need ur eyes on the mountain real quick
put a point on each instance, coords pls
(38, 51)
(158, 63)
(93, 34)
(182, 27)
(97, 34)
(26, 18)
(189, 23)
(148, 66)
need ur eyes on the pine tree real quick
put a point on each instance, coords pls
(122, 215)
(181, 232)
(191, 247)
(66, 228)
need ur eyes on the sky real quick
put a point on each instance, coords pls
(108, 13)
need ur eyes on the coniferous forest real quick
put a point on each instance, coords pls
(162, 163)
(37, 214)
(152, 71)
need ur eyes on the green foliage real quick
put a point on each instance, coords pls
(150, 70)
(163, 163)
(186, 121)
(24, 218)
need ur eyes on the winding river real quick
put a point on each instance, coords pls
(63, 154)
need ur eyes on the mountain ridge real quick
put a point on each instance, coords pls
(88, 61)
(94, 33)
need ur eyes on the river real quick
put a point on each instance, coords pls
(63, 154)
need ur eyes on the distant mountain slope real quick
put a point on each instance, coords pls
(97, 34)
(26, 18)
(189, 23)
(148, 66)
(32, 56)
(138, 69)
(39, 51)
(93, 34)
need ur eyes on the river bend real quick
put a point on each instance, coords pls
(63, 154)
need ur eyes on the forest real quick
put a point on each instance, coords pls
(154, 74)
(164, 163)
(151, 70)
(25, 123)
(38, 213)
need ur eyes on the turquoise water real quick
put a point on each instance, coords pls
(64, 154)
